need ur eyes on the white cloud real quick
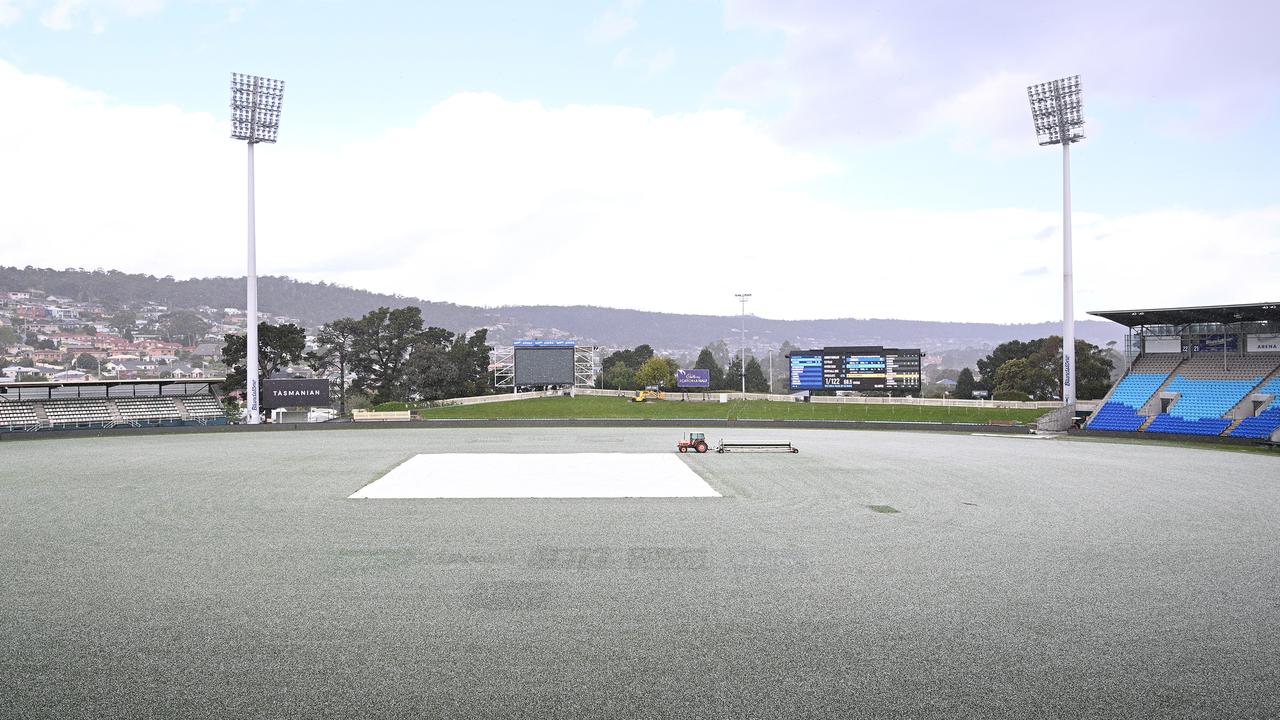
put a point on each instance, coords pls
(613, 24)
(488, 201)
(652, 66)
(10, 13)
(66, 14)
(879, 69)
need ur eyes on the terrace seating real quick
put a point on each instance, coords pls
(78, 413)
(1156, 363)
(147, 409)
(18, 416)
(1201, 405)
(1266, 422)
(203, 407)
(1120, 412)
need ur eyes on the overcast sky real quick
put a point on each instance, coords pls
(834, 159)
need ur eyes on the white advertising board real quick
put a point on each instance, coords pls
(1169, 344)
(1263, 343)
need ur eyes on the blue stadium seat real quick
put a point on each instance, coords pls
(1265, 423)
(1201, 405)
(1131, 393)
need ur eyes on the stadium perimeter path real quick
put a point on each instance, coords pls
(228, 576)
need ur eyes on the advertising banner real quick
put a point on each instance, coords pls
(693, 378)
(295, 393)
(1263, 343)
(1162, 344)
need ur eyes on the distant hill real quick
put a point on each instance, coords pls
(318, 303)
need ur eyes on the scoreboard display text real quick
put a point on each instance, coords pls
(855, 368)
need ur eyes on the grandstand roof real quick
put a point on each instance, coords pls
(1223, 314)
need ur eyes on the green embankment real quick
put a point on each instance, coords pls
(607, 407)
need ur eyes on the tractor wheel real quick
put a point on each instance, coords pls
(684, 448)
(701, 447)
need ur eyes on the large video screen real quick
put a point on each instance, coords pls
(544, 365)
(856, 368)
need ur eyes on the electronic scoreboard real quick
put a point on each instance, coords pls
(856, 368)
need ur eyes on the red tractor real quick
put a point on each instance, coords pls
(692, 440)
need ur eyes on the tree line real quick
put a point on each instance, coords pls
(389, 355)
(1032, 370)
(639, 367)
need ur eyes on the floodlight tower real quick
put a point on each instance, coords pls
(255, 118)
(742, 298)
(1058, 113)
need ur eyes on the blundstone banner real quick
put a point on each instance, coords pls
(295, 393)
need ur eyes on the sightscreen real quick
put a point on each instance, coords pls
(544, 366)
(856, 368)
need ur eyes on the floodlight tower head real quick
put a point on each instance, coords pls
(255, 108)
(1057, 110)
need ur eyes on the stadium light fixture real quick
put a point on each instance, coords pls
(1057, 109)
(742, 298)
(255, 118)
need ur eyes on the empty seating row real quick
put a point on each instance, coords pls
(74, 413)
(203, 406)
(1156, 363)
(18, 416)
(1229, 367)
(68, 413)
(147, 408)
(1265, 423)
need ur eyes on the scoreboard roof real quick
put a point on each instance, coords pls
(1222, 314)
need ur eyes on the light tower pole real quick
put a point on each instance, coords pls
(742, 298)
(255, 118)
(1058, 112)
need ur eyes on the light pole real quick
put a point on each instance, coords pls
(742, 298)
(1058, 112)
(255, 118)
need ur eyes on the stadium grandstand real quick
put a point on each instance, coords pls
(39, 406)
(1209, 371)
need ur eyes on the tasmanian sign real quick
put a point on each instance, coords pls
(693, 378)
(295, 393)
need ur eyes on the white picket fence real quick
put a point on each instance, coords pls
(716, 397)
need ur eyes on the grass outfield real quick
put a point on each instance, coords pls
(876, 575)
(609, 407)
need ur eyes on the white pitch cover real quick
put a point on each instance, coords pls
(582, 475)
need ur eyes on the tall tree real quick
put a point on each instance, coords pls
(432, 372)
(1094, 370)
(380, 350)
(965, 384)
(657, 371)
(721, 352)
(336, 339)
(278, 347)
(1026, 376)
(733, 375)
(471, 357)
(707, 361)
(1004, 352)
(620, 377)
(756, 381)
(183, 326)
(123, 321)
